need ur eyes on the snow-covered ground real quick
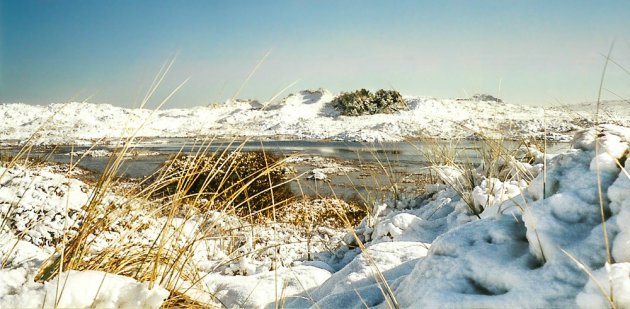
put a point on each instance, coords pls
(302, 115)
(535, 243)
(528, 237)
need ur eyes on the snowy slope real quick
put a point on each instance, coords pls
(301, 115)
(531, 249)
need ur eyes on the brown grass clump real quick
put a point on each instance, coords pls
(179, 300)
(250, 183)
(326, 212)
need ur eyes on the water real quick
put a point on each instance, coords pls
(402, 160)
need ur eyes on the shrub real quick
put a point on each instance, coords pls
(486, 97)
(363, 102)
(242, 180)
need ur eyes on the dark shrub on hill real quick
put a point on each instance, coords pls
(363, 102)
(486, 97)
(241, 181)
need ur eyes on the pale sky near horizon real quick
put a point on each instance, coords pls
(526, 52)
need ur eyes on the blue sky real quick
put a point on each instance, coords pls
(527, 52)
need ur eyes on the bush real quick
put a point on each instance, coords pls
(486, 97)
(241, 180)
(363, 102)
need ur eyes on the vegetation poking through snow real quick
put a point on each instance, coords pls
(486, 98)
(363, 102)
(252, 181)
(499, 167)
(323, 212)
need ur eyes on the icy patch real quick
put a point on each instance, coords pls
(367, 135)
(317, 174)
(106, 153)
(91, 153)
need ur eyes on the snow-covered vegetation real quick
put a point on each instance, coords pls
(363, 102)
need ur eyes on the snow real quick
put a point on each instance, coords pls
(42, 205)
(301, 115)
(107, 153)
(492, 192)
(605, 280)
(538, 241)
(361, 274)
(518, 257)
(264, 288)
(80, 289)
(76, 289)
(39, 204)
(502, 261)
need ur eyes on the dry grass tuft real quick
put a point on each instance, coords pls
(179, 300)
(492, 159)
(248, 182)
(324, 212)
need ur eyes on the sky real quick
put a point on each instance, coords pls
(525, 52)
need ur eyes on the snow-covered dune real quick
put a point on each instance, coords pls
(301, 115)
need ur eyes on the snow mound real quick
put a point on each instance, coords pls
(259, 290)
(40, 203)
(305, 104)
(361, 277)
(613, 278)
(78, 289)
